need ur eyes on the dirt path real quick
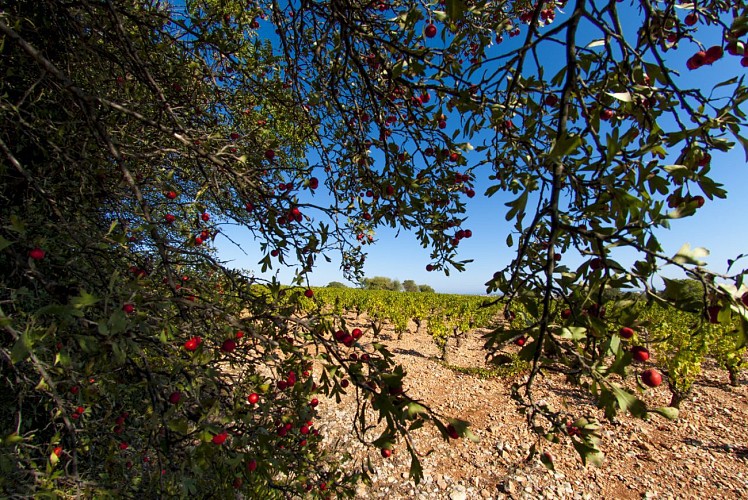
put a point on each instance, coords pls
(704, 454)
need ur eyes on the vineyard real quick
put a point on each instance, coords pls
(702, 451)
(683, 339)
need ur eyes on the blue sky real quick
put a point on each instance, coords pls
(719, 225)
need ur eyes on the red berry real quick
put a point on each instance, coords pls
(452, 432)
(174, 397)
(714, 53)
(193, 343)
(57, 451)
(314, 183)
(309, 293)
(74, 389)
(253, 398)
(252, 465)
(37, 253)
(699, 58)
(566, 314)
(626, 332)
(220, 438)
(171, 195)
(386, 452)
(640, 354)
(169, 218)
(314, 402)
(735, 48)
(269, 154)
(430, 31)
(651, 377)
(128, 308)
(205, 216)
(551, 100)
(691, 19)
(520, 341)
(228, 345)
(239, 334)
(123, 446)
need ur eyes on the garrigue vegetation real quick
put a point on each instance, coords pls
(133, 361)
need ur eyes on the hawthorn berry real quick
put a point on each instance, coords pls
(220, 438)
(37, 253)
(193, 343)
(228, 345)
(626, 332)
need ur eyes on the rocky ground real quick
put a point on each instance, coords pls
(704, 454)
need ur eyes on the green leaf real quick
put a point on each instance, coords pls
(668, 412)
(686, 255)
(85, 299)
(21, 349)
(397, 69)
(456, 9)
(415, 409)
(589, 454)
(629, 402)
(547, 460)
(573, 333)
(179, 425)
(4, 243)
(621, 96)
(416, 470)
(564, 146)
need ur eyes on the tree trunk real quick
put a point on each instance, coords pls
(678, 396)
(734, 377)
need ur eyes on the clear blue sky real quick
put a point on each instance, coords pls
(719, 225)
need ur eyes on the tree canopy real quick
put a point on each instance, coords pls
(132, 134)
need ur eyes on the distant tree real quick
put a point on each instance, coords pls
(381, 283)
(426, 289)
(397, 286)
(410, 286)
(336, 284)
(687, 294)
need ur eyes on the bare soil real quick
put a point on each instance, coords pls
(703, 454)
